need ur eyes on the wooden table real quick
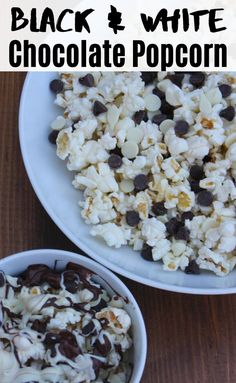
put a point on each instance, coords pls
(191, 339)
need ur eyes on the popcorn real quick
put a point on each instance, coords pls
(101, 179)
(175, 144)
(161, 154)
(112, 234)
(153, 231)
(173, 170)
(198, 148)
(98, 209)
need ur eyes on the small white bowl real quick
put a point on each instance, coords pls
(15, 264)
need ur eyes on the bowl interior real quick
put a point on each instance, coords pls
(16, 264)
(52, 184)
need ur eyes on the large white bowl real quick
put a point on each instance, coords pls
(52, 184)
(16, 264)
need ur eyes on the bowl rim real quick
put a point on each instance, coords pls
(103, 273)
(108, 264)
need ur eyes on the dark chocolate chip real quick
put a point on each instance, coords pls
(132, 218)
(116, 151)
(99, 108)
(158, 93)
(88, 329)
(197, 172)
(225, 90)
(141, 182)
(53, 279)
(2, 279)
(52, 137)
(167, 109)
(148, 77)
(181, 128)
(205, 198)
(228, 113)
(87, 80)
(192, 268)
(103, 347)
(188, 215)
(182, 234)
(146, 253)
(114, 161)
(195, 187)
(173, 225)
(177, 78)
(159, 208)
(56, 86)
(197, 79)
(159, 118)
(140, 116)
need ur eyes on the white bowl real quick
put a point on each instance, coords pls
(15, 264)
(52, 184)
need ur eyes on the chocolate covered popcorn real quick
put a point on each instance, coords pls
(62, 327)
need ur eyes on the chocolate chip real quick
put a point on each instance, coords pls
(182, 234)
(177, 78)
(99, 108)
(181, 128)
(52, 137)
(141, 182)
(116, 151)
(146, 253)
(188, 215)
(205, 198)
(225, 90)
(103, 347)
(39, 326)
(197, 172)
(148, 77)
(2, 279)
(114, 161)
(159, 208)
(71, 281)
(195, 187)
(197, 79)
(192, 268)
(167, 109)
(158, 93)
(53, 279)
(56, 86)
(87, 80)
(228, 113)
(140, 116)
(88, 329)
(159, 118)
(173, 226)
(132, 218)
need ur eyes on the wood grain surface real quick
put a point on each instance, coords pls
(191, 339)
